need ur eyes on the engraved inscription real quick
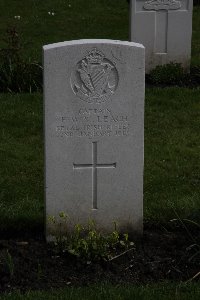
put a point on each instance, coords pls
(162, 5)
(95, 78)
(92, 123)
(94, 166)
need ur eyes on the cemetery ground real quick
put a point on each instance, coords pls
(171, 191)
(165, 264)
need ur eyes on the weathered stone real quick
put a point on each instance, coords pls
(164, 27)
(94, 109)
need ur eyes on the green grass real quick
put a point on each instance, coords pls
(172, 171)
(83, 19)
(171, 174)
(163, 291)
(21, 156)
(196, 37)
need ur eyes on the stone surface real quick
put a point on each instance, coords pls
(94, 109)
(164, 27)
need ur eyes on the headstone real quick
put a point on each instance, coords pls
(94, 109)
(164, 27)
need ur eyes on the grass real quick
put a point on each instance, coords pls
(162, 291)
(83, 19)
(171, 174)
(21, 156)
(196, 37)
(73, 19)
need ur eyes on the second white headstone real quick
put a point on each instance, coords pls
(164, 27)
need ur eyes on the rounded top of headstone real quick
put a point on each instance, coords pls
(92, 41)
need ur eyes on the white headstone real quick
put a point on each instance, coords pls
(94, 109)
(164, 27)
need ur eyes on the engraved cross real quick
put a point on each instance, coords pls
(94, 166)
(162, 11)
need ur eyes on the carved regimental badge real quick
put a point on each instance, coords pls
(162, 4)
(95, 78)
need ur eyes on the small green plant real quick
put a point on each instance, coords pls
(169, 74)
(194, 248)
(8, 261)
(191, 226)
(16, 73)
(39, 271)
(89, 244)
(195, 75)
(60, 237)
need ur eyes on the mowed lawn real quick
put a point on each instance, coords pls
(71, 19)
(44, 22)
(171, 173)
(163, 291)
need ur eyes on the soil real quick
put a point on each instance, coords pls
(32, 264)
